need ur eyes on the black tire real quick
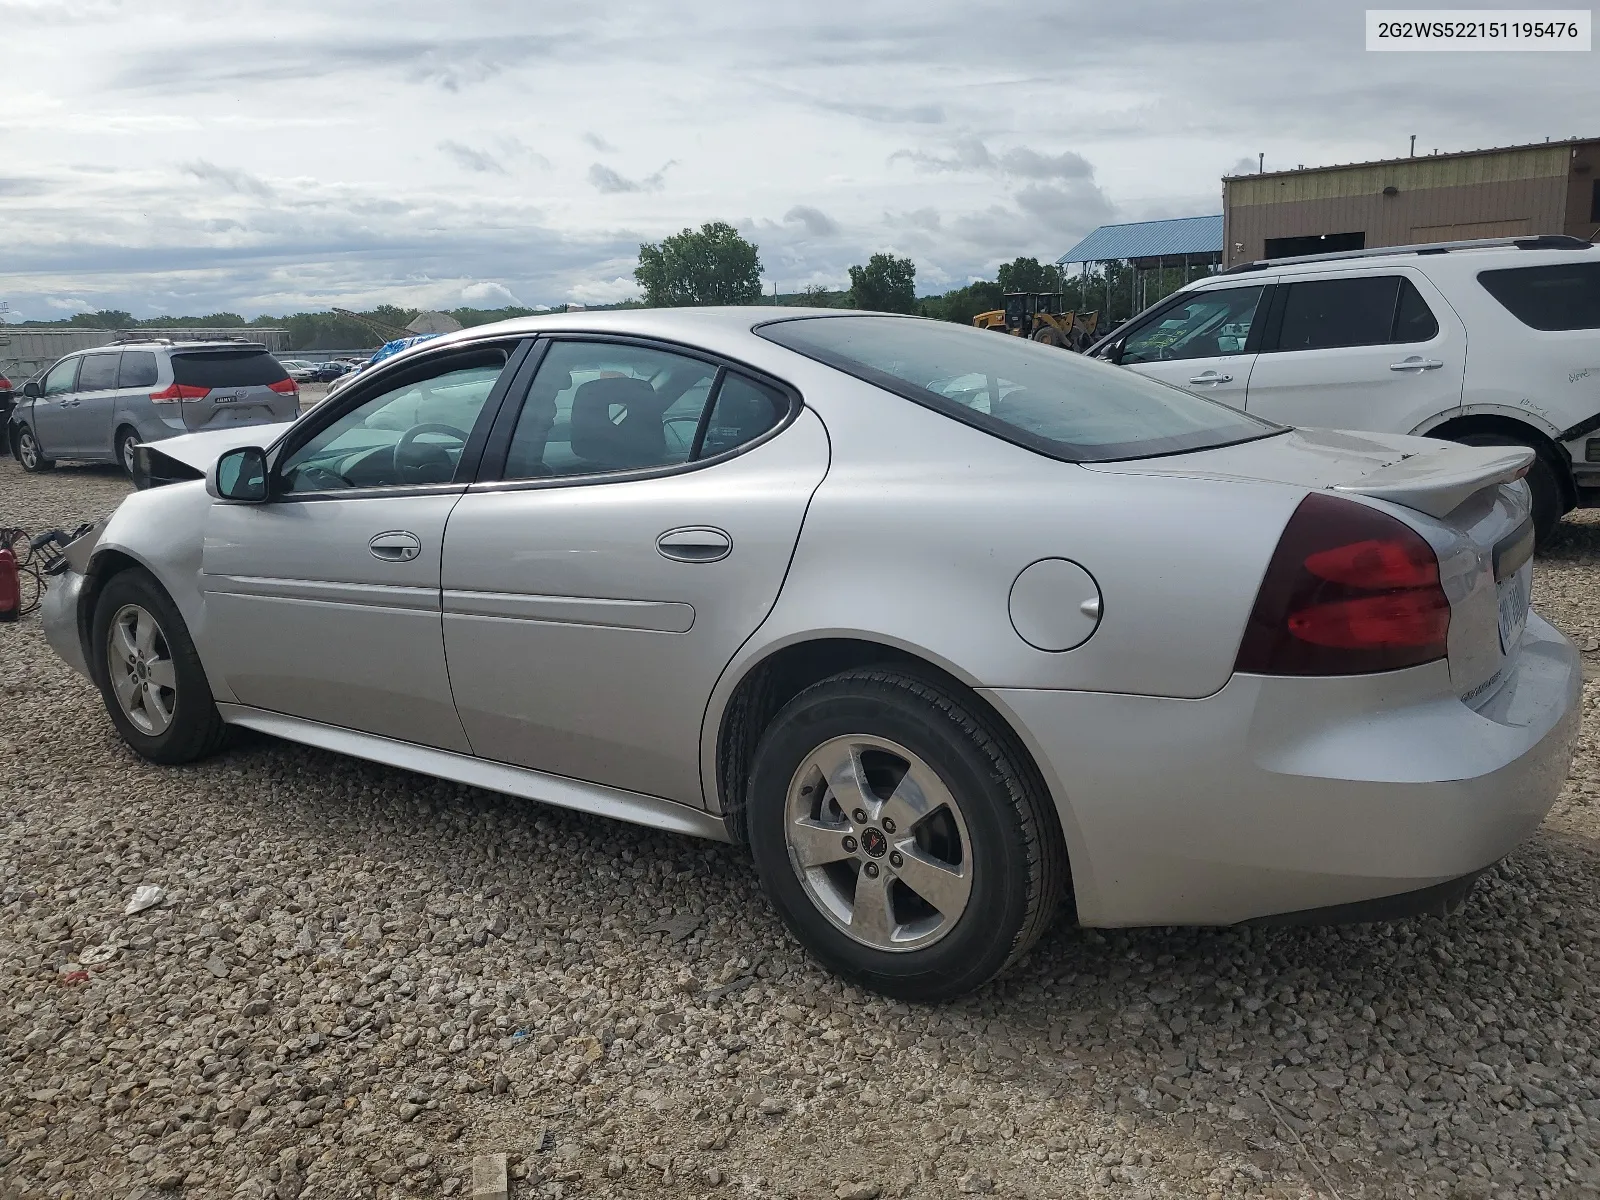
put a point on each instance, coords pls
(195, 729)
(127, 438)
(30, 454)
(1549, 500)
(1011, 836)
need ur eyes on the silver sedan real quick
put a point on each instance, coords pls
(950, 629)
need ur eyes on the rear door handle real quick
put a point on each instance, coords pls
(695, 544)
(395, 546)
(1206, 377)
(1415, 364)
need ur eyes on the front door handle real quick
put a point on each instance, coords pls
(1415, 364)
(395, 546)
(695, 544)
(1207, 377)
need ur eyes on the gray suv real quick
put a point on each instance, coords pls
(97, 405)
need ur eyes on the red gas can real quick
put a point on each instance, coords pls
(10, 586)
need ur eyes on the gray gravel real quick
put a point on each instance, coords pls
(358, 979)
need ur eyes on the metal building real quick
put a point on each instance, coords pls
(1549, 187)
(26, 350)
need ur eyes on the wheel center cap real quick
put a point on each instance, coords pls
(874, 843)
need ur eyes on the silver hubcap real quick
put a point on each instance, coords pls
(28, 449)
(127, 453)
(879, 843)
(140, 665)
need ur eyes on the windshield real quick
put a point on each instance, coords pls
(1049, 400)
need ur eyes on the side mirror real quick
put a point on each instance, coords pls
(32, 389)
(240, 475)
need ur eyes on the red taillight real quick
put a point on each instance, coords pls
(178, 393)
(5, 384)
(1349, 590)
(285, 387)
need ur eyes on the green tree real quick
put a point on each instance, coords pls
(713, 265)
(816, 295)
(106, 318)
(1029, 275)
(963, 303)
(885, 284)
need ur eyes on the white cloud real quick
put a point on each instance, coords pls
(69, 306)
(604, 291)
(488, 294)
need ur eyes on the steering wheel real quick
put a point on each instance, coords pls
(425, 463)
(415, 431)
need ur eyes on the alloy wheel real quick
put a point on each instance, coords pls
(129, 443)
(28, 449)
(878, 842)
(140, 666)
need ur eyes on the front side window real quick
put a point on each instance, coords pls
(411, 433)
(99, 373)
(138, 369)
(598, 407)
(1204, 325)
(62, 376)
(1562, 296)
(1058, 404)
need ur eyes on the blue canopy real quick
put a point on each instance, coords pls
(1149, 239)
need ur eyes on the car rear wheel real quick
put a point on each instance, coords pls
(900, 837)
(150, 674)
(127, 442)
(29, 453)
(1548, 501)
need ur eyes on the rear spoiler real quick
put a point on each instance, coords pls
(1438, 482)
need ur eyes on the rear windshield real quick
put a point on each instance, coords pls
(227, 368)
(1037, 396)
(1563, 296)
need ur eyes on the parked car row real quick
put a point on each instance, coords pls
(946, 627)
(98, 405)
(1489, 343)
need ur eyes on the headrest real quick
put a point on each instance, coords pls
(617, 423)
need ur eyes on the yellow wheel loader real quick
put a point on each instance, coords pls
(1042, 317)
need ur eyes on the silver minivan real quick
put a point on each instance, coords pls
(98, 405)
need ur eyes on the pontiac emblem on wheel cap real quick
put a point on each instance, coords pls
(874, 843)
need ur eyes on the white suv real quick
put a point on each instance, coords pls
(1492, 342)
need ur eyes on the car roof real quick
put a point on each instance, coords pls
(1527, 252)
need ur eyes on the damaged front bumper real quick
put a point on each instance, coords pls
(59, 610)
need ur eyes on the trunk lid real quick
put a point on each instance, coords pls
(1467, 501)
(234, 386)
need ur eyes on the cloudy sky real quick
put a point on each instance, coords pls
(189, 156)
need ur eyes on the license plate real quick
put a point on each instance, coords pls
(1513, 592)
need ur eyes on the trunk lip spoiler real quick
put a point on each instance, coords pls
(1438, 482)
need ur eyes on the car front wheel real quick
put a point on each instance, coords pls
(900, 836)
(150, 674)
(127, 442)
(29, 453)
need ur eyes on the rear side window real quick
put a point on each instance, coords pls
(1563, 296)
(227, 368)
(1373, 310)
(743, 412)
(99, 373)
(138, 369)
(1321, 314)
(1055, 403)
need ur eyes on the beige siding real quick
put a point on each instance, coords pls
(1490, 195)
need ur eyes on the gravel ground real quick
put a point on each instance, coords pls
(359, 979)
